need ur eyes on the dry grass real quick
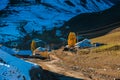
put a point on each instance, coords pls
(115, 30)
(112, 42)
(113, 38)
(109, 47)
(101, 63)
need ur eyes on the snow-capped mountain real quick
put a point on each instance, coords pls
(21, 19)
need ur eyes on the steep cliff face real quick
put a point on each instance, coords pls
(17, 21)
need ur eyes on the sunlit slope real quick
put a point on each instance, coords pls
(113, 38)
(111, 41)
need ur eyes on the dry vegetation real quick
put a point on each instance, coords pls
(101, 63)
(97, 63)
(113, 38)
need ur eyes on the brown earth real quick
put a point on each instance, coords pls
(54, 71)
(81, 66)
(97, 66)
(86, 64)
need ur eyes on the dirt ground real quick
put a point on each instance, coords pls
(53, 71)
(85, 65)
(96, 66)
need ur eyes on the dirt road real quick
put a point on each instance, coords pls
(52, 71)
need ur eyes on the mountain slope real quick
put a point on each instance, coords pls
(91, 21)
(97, 62)
(21, 19)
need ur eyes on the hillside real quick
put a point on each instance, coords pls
(26, 20)
(87, 64)
(28, 16)
(110, 38)
(85, 22)
(34, 35)
(97, 63)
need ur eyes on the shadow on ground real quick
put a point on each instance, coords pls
(55, 76)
